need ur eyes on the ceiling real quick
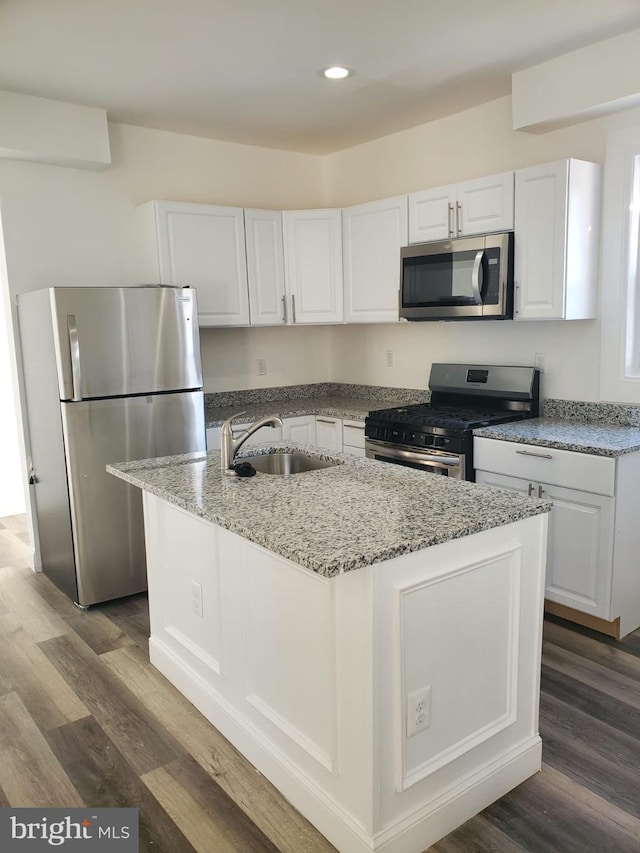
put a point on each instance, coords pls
(245, 70)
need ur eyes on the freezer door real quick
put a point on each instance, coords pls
(106, 513)
(120, 341)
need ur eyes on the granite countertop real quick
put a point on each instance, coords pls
(335, 519)
(335, 407)
(600, 439)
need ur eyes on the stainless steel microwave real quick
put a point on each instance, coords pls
(468, 278)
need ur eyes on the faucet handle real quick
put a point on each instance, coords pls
(228, 422)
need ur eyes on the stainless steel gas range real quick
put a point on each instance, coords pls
(438, 436)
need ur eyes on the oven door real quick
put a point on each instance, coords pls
(433, 461)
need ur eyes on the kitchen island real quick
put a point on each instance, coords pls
(368, 636)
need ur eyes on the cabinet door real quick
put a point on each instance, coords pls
(329, 433)
(265, 267)
(540, 241)
(265, 435)
(203, 246)
(580, 543)
(432, 214)
(313, 265)
(580, 552)
(302, 429)
(213, 438)
(501, 481)
(372, 236)
(353, 437)
(485, 205)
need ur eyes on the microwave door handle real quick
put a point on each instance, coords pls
(475, 277)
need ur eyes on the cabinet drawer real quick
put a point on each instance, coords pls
(353, 434)
(546, 465)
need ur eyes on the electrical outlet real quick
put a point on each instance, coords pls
(196, 597)
(389, 358)
(262, 366)
(539, 361)
(418, 710)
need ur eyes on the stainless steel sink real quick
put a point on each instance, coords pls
(286, 464)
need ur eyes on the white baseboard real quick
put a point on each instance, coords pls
(411, 834)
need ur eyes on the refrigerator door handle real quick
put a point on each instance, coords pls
(74, 349)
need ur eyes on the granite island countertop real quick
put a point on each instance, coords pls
(599, 439)
(332, 520)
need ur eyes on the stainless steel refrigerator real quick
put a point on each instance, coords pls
(111, 374)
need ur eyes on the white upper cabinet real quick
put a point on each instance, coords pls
(313, 265)
(481, 206)
(557, 230)
(432, 214)
(265, 267)
(372, 236)
(202, 246)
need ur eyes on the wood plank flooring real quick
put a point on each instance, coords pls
(85, 719)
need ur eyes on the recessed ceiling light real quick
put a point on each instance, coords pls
(336, 72)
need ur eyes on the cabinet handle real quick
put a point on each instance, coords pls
(450, 220)
(293, 306)
(530, 489)
(517, 299)
(354, 426)
(540, 491)
(284, 309)
(459, 217)
(538, 455)
(325, 421)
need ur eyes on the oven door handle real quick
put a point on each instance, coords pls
(398, 453)
(475, 277)
(440, 460)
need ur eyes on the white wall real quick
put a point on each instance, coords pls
(12, 489)
(65, 226)
(294, 355)
(470, 144)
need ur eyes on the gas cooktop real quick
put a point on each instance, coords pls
(445, 417)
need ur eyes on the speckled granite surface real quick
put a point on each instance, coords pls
(614, 414)
(331, 399)
(332, 520)
(600, 439)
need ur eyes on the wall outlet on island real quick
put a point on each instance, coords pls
(262, 366)
(196, 597)
(389, 358)
(418, 710)
(539, 361)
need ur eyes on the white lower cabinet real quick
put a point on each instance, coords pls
(594, 538)
(353, 437)
(329, 432)
(301, 428)
(262, 436)
(580, 545)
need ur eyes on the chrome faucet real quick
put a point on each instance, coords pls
(230, 445)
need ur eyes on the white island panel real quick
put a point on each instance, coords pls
(314, 672)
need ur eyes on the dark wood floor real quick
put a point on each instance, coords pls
(85, 720)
